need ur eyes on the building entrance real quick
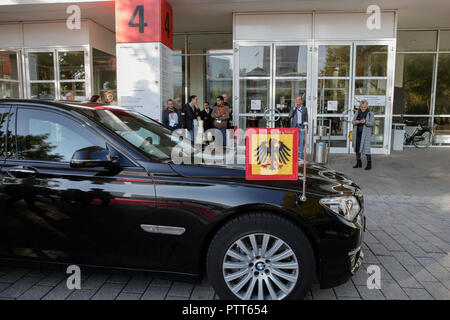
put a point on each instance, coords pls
(331, 77)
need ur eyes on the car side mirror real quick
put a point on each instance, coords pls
(92, 157)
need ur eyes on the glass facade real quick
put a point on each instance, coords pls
(9, 75)
(203, 66)
(417, 40)
(178, 78)
(333, 91)
(104, 72)
(371, 61)
(219, 75)
(41, 73)
(291, 61)
(413, 85)
(443, 85)
(54, 73)
(72, 73)
(334, 61)
(422, 81)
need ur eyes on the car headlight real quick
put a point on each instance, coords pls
(346, 206)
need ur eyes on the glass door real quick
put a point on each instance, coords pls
(254, 64)
(271, 76)
(10, 74)
(289, 81)
(40, 71)
(372, 81)
(332, 81)
(57, 73)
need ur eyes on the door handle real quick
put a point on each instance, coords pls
(22, 172)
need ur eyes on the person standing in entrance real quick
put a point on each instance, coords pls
(230, 119)
(299, 117)
(205, 115)
(363, 121)
(221, 114)
(171, 116)
(191, 112)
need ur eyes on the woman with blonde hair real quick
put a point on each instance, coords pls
(363, 121)
(109, 97)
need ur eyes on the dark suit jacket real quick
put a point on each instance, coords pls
(293, 116)
(189, 116)
(207, 120)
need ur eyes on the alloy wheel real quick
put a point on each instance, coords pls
(260, 266)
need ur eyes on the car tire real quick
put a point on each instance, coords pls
(289, 277)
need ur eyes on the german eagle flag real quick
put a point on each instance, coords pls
(271, 154)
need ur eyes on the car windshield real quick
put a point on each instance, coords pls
(139, 130)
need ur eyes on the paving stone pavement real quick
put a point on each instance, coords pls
(407, 236)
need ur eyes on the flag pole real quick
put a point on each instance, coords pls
(305, 129)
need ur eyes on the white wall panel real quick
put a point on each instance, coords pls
(10, 35)
(280, 26)
(144, 70)
(102, 38)
(352, 26)
(54, 34)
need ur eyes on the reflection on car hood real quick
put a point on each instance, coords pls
(320, 180)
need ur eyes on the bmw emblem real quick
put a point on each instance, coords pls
(260, 266)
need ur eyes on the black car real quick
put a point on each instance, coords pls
(95, 185)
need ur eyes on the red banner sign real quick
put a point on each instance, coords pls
(144, 21)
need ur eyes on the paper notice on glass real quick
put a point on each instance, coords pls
(255, 105)
(373, 100)
(332, 105)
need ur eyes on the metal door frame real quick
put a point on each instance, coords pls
(315, 84)
(56, 80)
(236, 78)
(390, 66)
(20, 69)
(270, 122)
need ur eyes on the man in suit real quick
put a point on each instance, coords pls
(299, 116)
(191, 112)
(205, 115)
(171, 116)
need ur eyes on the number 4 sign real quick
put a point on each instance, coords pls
(144, 21)
(141, 24)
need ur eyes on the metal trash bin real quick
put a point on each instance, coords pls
(321, 152)
(398, 135)
(321, 147)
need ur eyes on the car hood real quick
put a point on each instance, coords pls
(320, 180)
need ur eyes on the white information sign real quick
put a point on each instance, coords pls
(144, 77)
(255, 104)
(371, 99)
(332, 105)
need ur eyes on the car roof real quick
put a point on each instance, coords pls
(63, 104)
